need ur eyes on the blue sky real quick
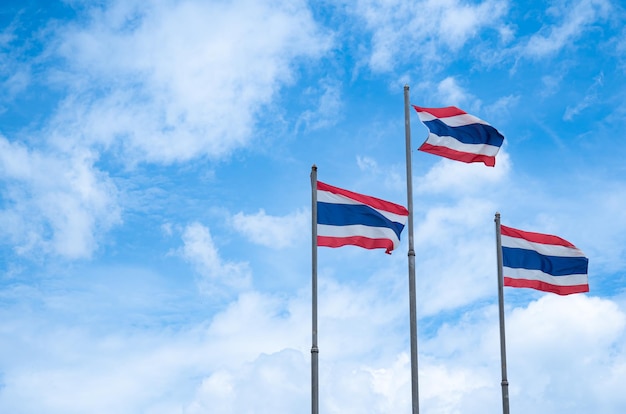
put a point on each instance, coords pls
(155, 204)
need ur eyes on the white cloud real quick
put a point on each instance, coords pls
(564, 337)
(453, 177)
(382, 177)
(429, 28)
(366, 163)
(448, 90)
(571, 325)
(551, 84)
(162, 82)
(447, 389)
(328, 107)
(174, 81)
(15, 75)
(273, 231)
(218, 275)
(390, 383)
(455, 254)
(271, 384)
(257, 349)
(590, 98)
(57, 202)
(500, 109)
(559, 350)
(577, 16)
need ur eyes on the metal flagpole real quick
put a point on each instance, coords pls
(411, 254)
(505, 382)
(314, 349)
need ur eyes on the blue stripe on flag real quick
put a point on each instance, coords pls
(467, 134)
(552, 265)
(350, 214)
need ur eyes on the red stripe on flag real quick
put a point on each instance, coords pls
(468, 157)
(360, 241)
(545, 287)
(535, 237)
(370, 201)
(441, 112)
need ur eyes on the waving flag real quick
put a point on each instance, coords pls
(348, 218)
(542, 262)
(459, 136)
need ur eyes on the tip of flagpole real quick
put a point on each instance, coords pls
(313, 167)
(406, 86)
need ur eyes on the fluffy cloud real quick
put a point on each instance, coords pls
(218, 276)
(328, 107)
(173, 81)
(164, 82)
(55, 202)
(575, 18)
(550, 343)
(256, 349)
(429, 28)
(453, 177)
(270, 384)
(272, 231)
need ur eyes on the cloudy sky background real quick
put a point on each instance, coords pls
(155, 204)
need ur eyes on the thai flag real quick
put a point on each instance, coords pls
(348, 218)
(542, 262)
(459, 136)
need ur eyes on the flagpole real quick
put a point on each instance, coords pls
(314, 349)
(505, 382)
(411, 255)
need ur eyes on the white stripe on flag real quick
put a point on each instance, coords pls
(545, 249)
(528, 274)
(453, 121)
(357, 230)
(455, 144)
